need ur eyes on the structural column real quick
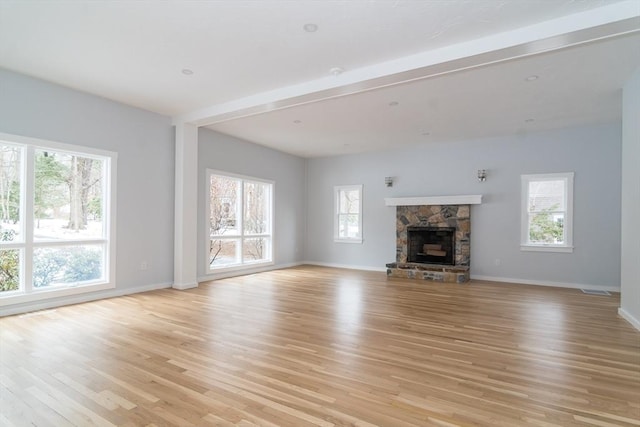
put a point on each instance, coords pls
(630, 239)
(186, 207)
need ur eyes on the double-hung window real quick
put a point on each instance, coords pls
(240, 212)
(347, 226)
(56, 211)
(547, 212)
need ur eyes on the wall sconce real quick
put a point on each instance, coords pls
(482, 175)
(388, 181)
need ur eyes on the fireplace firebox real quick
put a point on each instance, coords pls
(431, 245)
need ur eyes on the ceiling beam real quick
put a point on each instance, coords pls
(596, 24)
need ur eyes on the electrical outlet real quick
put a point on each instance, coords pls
(497, 261)
(144, 265)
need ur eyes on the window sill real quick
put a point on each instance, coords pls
(347, 240)
(546, 248)
(239, 267)
(17, 297)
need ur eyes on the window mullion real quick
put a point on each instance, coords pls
(55, 243)
(28, 191)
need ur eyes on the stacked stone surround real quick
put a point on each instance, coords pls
(457, 216)
(430, 272)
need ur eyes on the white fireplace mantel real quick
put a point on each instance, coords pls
(473, 199)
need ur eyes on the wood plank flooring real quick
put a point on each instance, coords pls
(313, 346)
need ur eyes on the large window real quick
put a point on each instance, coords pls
(240, 218)
(55, 219)
(348, 214)
(547, 212)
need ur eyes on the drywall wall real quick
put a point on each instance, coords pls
(431, 169)
(228, 154)
(630, 265)
(144, 142)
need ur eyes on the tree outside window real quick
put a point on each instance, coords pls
(68, 239)
(547, 209)
(239, 221)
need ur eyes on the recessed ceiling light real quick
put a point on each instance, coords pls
(187, 72)
(310, 28)
(393, 104)
(297, 121)
(336, 71)
(532, 78)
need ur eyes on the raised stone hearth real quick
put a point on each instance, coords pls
(432, 272)
(433, 217)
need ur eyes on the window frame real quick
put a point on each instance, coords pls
(241, 236)
(28, 245)
(525, 244)
(337, 190)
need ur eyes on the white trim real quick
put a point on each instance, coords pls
(225, 174)
(629, 318)
(54, 145)
(27, 293)
(51, 292)
(185, 229)
(28, 173)
(582, 27)
(546, 248)
(111, 177)
(215, 272)
(336, 213)
(346, 266)
(240, 267)
(184, 286)
(246, 271)
(25, 308)
(610, 288)
(568, 178)
(474, 199)
(343, 240)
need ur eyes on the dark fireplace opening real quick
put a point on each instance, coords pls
(431, 245)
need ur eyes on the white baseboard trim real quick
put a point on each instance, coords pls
(629, 318)
(546, 283)
(347, 266)
(236, 273)
(184, 286)
(77, 299)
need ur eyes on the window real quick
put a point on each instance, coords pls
(239, 211)
(348, 214)
(547, 212)
(55, 219)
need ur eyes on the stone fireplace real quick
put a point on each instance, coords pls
(433, 241)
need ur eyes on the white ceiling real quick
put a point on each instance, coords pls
(456, 68)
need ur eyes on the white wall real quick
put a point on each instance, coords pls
(145, 147)
(228, 154)
(630, 266)
(429, 169)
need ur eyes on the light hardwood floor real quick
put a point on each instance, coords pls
(312, 346)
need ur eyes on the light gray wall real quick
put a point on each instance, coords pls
(144, 142)
(630, 297)
(229, 154)
(431, 169)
